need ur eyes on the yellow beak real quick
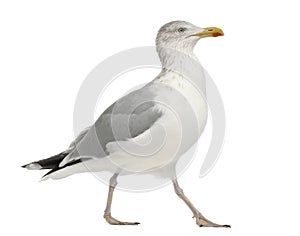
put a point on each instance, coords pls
(210, 32)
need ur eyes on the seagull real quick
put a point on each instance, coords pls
(149, 129)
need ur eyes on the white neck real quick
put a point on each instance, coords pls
(168, 57)
(185, 63)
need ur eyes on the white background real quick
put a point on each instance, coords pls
(48, 48)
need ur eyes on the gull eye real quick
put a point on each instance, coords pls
(181, 30)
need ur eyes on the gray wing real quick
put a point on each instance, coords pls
(127, 118)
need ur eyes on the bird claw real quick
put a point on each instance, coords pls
(111, 220)
(226, 226)
(202, 222)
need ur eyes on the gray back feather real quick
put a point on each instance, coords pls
(127, 118)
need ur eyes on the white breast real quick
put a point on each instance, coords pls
(194, 93)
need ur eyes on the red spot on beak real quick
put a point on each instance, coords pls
(216, 34)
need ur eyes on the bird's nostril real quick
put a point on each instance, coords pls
(210, 30)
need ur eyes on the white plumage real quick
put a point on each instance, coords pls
(147, 130)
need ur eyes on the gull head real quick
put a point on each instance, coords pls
(182, 36)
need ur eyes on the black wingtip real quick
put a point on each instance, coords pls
(32, 166)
